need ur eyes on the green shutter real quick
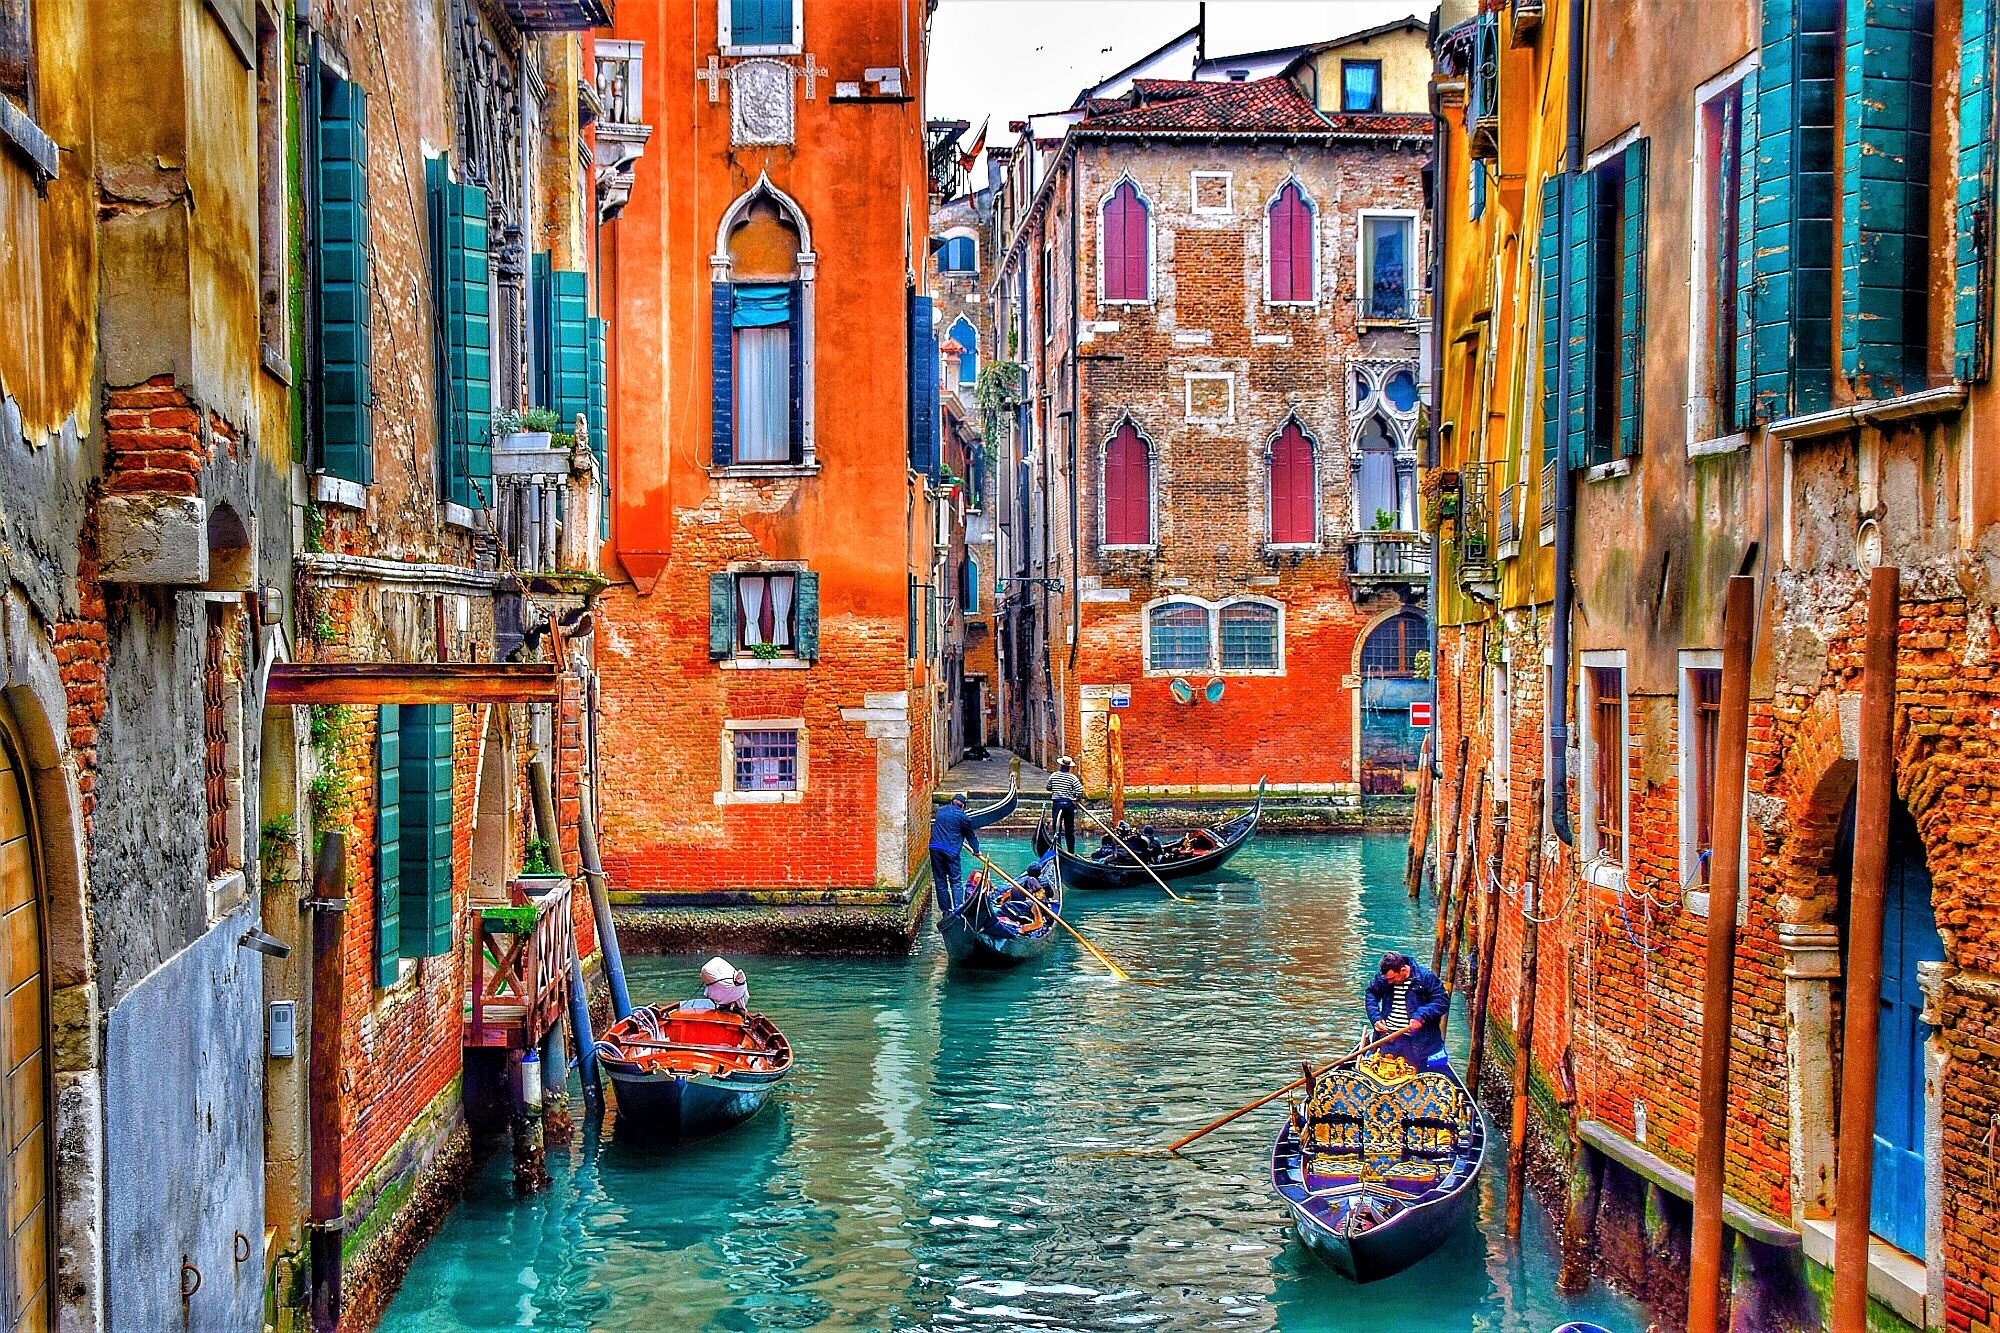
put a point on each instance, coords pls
(1885, 197)
(599, 425)
(1548, 252)
(721, 616)
(807, 594)
(1972, 260)
(910, 619)
(1632, 305)
(427, 830)
(1579, 236)
(1743, 400)
(464, 314)
(388, 843)
(568, 388)
(343, 346)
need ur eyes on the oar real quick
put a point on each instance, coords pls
(1096, 952)
(1112, 834)
(1355, 1054)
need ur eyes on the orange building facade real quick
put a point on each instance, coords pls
(765, 651)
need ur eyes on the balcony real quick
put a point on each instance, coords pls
(547, 507)
(1404, 306)
(1389, 557)
(558, 15)
(1475, 542)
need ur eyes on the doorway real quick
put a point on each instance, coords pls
(972, 714)
(24, 1063)
(1909, 937)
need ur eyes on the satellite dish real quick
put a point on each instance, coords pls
(1182, 691)
(1213, 693)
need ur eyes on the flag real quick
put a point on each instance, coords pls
(969, 157)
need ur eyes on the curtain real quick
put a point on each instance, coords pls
(766, 602)
(764, 394)
(780, 602)
(1376, 492)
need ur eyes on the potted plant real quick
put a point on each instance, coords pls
(525, 431)
(1385, 520)
(512, 920)
(765, 652)
(538, 868)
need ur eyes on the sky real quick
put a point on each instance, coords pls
(1009, 59)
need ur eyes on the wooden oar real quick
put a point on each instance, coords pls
(1356, 1054)
(1112, 834)
(1096, 952)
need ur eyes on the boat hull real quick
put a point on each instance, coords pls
(966, 947)
(681, 1107)
(1080, 872)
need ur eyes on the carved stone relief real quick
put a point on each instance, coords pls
(760, 103)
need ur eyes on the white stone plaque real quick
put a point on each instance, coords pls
(760, 103)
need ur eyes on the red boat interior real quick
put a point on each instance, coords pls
(702, 1042)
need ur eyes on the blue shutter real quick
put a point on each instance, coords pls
(600, 424)
(806, 615)
(1745, 259)
(722, 375)
(760, 22)
(1885, 197)
(569, 346)
(1632, 305)
(344, 348)
(924, 405)
(969, 586)
(1476, 190)
(721, 616)
(1972, 260)
(798, 372)
(426, 830)
(1580, 323)
(464, 314)
(388, 843)
(1548, 251)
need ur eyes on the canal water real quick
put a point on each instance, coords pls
(939, 1157)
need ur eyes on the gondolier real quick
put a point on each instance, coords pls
(1066, 794)
(951, 829)
(1407, 999)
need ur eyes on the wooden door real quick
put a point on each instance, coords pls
(24, 1059)
(1909, 937)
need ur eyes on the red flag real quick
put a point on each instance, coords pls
(968, 157)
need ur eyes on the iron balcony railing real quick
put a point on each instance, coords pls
(1407, 305)
(1475, 534)
(1505, 533)
(1389, 557)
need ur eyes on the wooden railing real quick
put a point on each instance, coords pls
(519, 982)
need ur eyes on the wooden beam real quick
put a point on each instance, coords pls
(411, 683)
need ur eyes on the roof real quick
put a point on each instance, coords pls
(1274, 104)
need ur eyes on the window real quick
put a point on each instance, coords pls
(1128, 488)
(1377, 490)
(968, 586)
(766, 761)
(1704, 728)
(462, 300)
(1719, 223)
(1384, 281)
(758, 342)
(765, 604)
(1294, 489)
(958, 254)
(1604, 763)
(1179, 637)
(1290, 246)
(1503, 733)
(763, 615)
(1391, 648)
(1605, 231)
(17, 53)
(1047, 296)
(1249, 637)
(760, 27)
(763, 352)
(1360, 85)
(967, 338)
(1127, 236)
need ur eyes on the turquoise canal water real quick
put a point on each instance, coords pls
(934, 1160)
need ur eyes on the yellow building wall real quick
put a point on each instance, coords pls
(1406, 71)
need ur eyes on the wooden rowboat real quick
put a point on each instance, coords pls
(1207, 851)
(680, 1074)
(1379, 1164)
(1002, 926)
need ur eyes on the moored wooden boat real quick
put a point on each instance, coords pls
(1379, 1164)
(1190, 852)
(1003, 926)
(680, 1074)
(999, 810)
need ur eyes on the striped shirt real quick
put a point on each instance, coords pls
(1398, 1015)
(1065, 786)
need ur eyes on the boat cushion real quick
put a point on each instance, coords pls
(1401, 1133)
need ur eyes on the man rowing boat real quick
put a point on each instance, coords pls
(1410, 1002)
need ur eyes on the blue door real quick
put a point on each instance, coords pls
(1909, 937)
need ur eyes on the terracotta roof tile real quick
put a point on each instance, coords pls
(1260, 104)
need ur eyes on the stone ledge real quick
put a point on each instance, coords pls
(153, 539)
(1895, 1279)
(1740, 1217)
(863, 922)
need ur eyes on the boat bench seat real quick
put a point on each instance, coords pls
(1402, 1133)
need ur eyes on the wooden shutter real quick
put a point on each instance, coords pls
(1579, 233)
(1972, 258)
(760, 22)
(923, 372)
(1125, 247)
(722, 373)
(1885, 198)
(1128, 508)
(344, 348)
(595, 330)
(388, 842)
(1291, 247)
(721, 616)
(805, 612)
(427, 830)
(569, 346)
(1632, 304)
(1112, 230)
(1137, 245)
(1745, 259)
(465, 388)
(1292, 488)
(1549, 253)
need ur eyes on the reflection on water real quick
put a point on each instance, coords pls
(932, 1162)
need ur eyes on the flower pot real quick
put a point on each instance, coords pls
(525, 442)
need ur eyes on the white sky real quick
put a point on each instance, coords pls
(1009, 59)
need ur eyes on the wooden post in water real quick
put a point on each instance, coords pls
(1420, 820)
(1115, 762)
(1524, 1036)
(1468, 881)
(1705, 1248)
(1875, 789)
(1448, 845)
(1452, 890)
(1490, 932)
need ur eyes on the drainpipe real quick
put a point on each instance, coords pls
(327, 1228)
(1565, 554)
(1075, 361)
(1433, 444)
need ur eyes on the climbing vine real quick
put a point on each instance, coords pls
(998, 391)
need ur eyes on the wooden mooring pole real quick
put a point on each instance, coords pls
(1448, 845)
(1705, 1250)
(1489, 936)
(1453, 890)
(1468, 881)
(1875, 789)
(329, 906)
(1420, 821)
(1524, 1036)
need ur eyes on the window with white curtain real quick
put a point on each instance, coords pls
(767, 612)
(764, 395)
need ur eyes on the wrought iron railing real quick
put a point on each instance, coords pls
(1475, 534)
(1389, 557)
(1549, 493)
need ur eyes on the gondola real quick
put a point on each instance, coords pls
(987, 815)
(680, 1074)
(1391, 1165)
(1002, 926)
(1080, 872)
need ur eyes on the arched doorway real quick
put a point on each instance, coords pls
(1390, 683)
(493, 805)
(24, 1057)
(1909, 937)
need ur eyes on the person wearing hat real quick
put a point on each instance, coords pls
(951, 829)
(1065, 794)
(1408, 1002)
(724, 990)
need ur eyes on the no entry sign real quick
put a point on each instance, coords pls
(1420, 713)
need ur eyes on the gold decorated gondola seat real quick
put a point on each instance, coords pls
(1384, 1125)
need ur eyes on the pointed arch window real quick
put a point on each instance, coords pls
(1128, 489)
(1127, 233)
(1290, 245)
(1293, 488)
(967, 337)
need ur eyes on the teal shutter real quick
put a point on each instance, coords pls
(1579, 323)
(596, 393)
(1972, 259)
(1792, 297)
(807, 594)
(1548, 252)
(721, 616)
(1885, 193)
(464, 313)
(388, 843)
(566, 361)
(760, 22)
(910, 619)
(1743, 398)
(1632, 305)
(344, 348)
(722, 373)
(426, 832)
(923, 377)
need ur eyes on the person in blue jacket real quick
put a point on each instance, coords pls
(951, 828)
(1409, 1002)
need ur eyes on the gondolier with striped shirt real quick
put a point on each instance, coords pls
(1065, 795)
(1409, 1002)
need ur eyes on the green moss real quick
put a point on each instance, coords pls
(389, 1199)
(1881, 1319)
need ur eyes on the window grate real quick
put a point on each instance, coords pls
(767, 760)
(215, 745)
(1180, 637)
(1707, 690)
(1249, 638)
(1607, 705)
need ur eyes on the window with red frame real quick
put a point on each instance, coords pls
(1126, 245)
(1291, 246)
(1292, 488)
(1128, 489)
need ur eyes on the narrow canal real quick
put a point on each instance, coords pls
(938, 1158)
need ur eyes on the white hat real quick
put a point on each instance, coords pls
(728, 990)
(718, 969)
(1065, 761)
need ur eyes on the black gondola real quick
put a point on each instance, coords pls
(1001, 926)
(1389, 1167)
(1205, 851)
(987, 815)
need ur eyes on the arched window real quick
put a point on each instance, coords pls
(967, 337)
(758, 417)
(1290, 247)
(1249, 637)
(958, 254)
(1178, 637)
(1127, 245)
(1392, 646)
(1293, 488)
(1128, 489)
(1375, 491)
